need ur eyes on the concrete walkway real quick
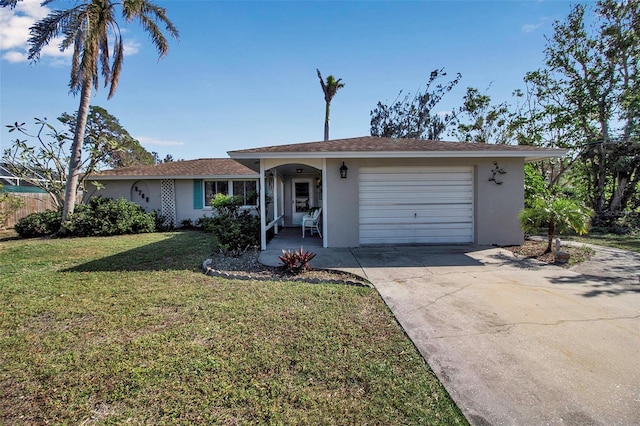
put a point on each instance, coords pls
(516, 342)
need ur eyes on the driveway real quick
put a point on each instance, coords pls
(516, 342)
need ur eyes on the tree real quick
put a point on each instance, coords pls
(487, 123)
(559, 214)
(411, 117)
(45, 164)
(591, 90)
(104, 131)
(87, 27)
(330, 88)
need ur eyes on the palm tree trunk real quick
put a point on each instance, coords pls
(550, 233)
(73, 174)
(326, 121)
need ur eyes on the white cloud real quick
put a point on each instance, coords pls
(146, 140)
(131, 47)
(14, 35)
(527, 28)
(14, 56)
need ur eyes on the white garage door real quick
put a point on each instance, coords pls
(406, 205)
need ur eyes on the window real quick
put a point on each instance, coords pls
(212, 188)
(246, 189)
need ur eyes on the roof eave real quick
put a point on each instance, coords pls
(527, 155)
(142, 177)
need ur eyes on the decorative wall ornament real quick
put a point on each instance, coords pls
(496, 173)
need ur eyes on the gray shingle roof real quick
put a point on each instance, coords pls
(378, 144)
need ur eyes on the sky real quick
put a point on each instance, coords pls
(243, 73)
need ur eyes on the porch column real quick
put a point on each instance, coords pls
(263, 210)
(325, 210)
(276, 212)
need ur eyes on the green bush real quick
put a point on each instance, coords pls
(38, 224)
(101, 217)
(162, 222)
(233, 229)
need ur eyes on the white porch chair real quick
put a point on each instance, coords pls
(312, 222)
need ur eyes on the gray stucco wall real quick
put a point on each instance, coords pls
(495, 206)
(125, 189)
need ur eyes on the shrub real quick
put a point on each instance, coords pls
(234, 230)
(39, 224)
(186, 224)
(296, 261)
(205, 223)
(105, 216)
(101, 217)
(162, 222)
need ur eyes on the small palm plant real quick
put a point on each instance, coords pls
(559, 214)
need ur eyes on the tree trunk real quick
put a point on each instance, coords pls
(73, 175)
(550, 234)
(618, 194)
(326, 122)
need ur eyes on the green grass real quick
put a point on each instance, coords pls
(629, 242)
(127, 330)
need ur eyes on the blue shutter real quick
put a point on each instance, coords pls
(197, 194)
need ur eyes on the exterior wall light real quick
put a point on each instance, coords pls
(343, 171)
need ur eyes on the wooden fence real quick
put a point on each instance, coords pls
(33, 202)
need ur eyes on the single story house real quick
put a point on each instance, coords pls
(376, 190)
(180, 190)
(372, 190)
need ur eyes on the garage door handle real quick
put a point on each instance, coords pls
(415, 215)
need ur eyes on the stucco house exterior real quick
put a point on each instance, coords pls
(395, 191)
(180, 190)
(372, 190)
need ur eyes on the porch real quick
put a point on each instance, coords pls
(290, 238)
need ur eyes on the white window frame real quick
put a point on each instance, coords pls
(229, 182)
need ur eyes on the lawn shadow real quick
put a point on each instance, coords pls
(183, 250)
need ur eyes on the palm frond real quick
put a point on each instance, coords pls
(117, 66)
(57, 23)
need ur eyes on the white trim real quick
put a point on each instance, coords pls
(325, 205)
(263, 211)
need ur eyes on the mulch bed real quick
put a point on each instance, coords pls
(247, 266)
(535, 250)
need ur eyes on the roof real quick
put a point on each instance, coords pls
(377, 147)
(201, 168)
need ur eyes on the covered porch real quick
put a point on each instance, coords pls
(289, 190)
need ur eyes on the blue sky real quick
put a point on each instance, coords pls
(243, 74)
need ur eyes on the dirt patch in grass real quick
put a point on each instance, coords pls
(535, 250)
(248, 265)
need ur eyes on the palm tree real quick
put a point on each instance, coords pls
(87, 27)
(558, 214)
(330, 87)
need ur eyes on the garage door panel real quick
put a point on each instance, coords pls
(416, 205)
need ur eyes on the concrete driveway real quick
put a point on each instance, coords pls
(516, 342)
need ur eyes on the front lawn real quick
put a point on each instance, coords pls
(629, 242)
(127, 330)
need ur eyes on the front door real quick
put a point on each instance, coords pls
(302, 199)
